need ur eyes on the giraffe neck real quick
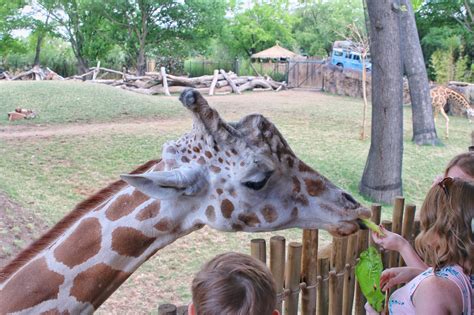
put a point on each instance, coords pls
(84, 265)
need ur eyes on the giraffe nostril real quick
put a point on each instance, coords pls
(349, 198)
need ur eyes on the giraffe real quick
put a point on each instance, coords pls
(440, 96)
(231, 176)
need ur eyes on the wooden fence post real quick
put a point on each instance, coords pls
(338, 261)
(386, 254)
(292, 278)
(359, 297)
(334, 302)
(408, 225)
(258, 249)
(167, 309)
(376, 217)
(323, 288)
(277, 266)
(351, 257)
(309, 270)
(396, 227)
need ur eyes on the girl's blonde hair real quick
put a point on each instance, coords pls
(446, 237)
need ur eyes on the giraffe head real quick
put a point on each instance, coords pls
(244, 177)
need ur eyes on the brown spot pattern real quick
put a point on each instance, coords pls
(171, 150)
(314, 187)
(269, 213)
(208, 154)
(296, 185)
(290, 162)
(81, 245)
(149, 211)
(35, 281)
(130, 242)
(234, 152)
(97, 283)
(185, 159)
(196, 149)
(249, 219)
(201, 161)
(237, 227)
(164, 225)
(124, 205)
(221, 160)
(219, 191)
(210, 213)
(215, 169)
(227, 207)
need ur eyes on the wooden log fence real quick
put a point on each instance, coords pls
(311, 280)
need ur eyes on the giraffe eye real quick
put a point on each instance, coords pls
(260, 184)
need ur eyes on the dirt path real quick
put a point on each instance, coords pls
(137, 126)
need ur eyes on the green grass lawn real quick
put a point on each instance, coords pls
(80, 102)
(49, 175)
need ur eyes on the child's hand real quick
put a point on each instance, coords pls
(369, 310)
(398, 275)
(390, 240)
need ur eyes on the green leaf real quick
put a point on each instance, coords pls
(368, 271)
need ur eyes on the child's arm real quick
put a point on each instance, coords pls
(393, 241)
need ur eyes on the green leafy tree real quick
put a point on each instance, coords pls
(82, 25)
(319, 24)
(10, 19)
(162, 27)
(260, 27)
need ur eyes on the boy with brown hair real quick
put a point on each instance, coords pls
(233, 284)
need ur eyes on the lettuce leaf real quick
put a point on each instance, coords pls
(368, 271)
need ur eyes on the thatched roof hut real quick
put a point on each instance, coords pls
(276, 53)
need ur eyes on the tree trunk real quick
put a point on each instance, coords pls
(381, 179)
(141, 62)
(424, 131)
(39, 41)
(82, 65)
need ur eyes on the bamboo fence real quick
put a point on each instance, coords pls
(313, 280)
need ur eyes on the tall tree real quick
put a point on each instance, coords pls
(139, 24)
(319, 24)
(381, 179)
(424, 131)
(82, 25)
(260, 27)
(10, 19)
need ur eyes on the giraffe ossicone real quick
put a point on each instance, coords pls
(231, 176)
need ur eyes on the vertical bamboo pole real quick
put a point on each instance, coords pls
(165, 81)
(96, 71)
(338, 261)
(386, 254)
(277, 265)
(323, 289)
(397, 218)
(292, 278)
(407, 227)
(346, 291)
(258, 249)
(351, 257)
(309, 273)
(359, 297)
(167, 309)
(334, 302)
(416, 230)
(376, 217)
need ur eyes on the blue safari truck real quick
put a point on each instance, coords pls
(344, 55)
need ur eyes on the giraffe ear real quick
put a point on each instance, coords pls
(167, 185)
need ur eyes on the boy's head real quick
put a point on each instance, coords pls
(234, 284)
